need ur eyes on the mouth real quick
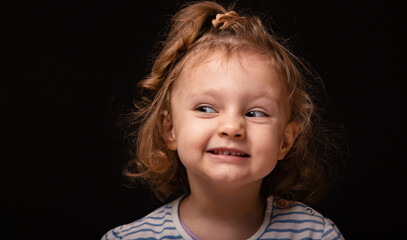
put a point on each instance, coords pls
(228, 152)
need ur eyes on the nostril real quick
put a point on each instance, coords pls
(231, 134)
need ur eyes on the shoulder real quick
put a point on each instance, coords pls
(155, 225)
(299, 221)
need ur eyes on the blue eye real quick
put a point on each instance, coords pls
(255, 114)
(206, 109)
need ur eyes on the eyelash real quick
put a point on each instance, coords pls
(209, 109)
(202, 109)
(251, 112)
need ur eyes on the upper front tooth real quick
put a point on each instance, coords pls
(220, 152)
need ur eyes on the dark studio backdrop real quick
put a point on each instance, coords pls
(69, 68)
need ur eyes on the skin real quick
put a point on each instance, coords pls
(229, 125)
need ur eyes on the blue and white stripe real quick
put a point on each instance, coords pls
(295, 222)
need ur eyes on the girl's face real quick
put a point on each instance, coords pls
(229, 120)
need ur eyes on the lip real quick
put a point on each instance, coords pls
(227, 154)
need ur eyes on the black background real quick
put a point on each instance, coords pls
(69, 68)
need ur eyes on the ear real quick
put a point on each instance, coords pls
(290, 134)
(169, 134)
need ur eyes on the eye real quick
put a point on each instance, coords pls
(255, 114)
(206, 109)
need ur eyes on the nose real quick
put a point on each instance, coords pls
(232, 126)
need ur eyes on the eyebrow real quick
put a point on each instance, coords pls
(211, 92)
(265, 94)
(218, 95)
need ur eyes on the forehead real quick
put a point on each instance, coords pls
(207, 65)
(223, 55)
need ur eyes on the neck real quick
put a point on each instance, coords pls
(233, 204)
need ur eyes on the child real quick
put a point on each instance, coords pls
(226, 130)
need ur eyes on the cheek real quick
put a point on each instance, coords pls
(268, 153)
(266, 145)
(192, 137)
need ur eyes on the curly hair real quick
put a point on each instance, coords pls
(306, 170)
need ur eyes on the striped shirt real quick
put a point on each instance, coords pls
(296, 222)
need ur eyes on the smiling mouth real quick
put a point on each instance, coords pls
(228, 153)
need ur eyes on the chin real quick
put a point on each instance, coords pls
(231, 178)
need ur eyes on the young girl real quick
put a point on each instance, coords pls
(226, 130)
